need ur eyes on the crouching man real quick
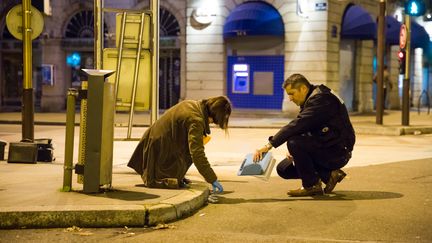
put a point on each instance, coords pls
(319, 140)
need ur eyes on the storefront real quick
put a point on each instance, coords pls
(242, 49)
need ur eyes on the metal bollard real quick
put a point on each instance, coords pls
(69, 140)
(99, 131)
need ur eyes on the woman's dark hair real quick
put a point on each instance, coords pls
(295, 81)
(219, 109)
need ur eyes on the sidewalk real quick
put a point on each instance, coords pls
(363, 123)
(30, 195)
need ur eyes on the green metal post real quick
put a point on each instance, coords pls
(69, 139)
(154, 6)
(98, 33)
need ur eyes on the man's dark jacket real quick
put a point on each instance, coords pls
(322, 116)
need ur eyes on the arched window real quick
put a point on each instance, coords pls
(81, 25)
(6, 34)
(168, 24)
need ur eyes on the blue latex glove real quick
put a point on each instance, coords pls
(217, 187)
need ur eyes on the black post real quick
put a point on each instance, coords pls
(406, 81)
(27, 113)
(380, 54)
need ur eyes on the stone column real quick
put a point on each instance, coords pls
(53, 97)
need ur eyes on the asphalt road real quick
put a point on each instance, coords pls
(378, 203)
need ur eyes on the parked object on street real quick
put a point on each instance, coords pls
(23, 152)
(45, 150)
(2, 149)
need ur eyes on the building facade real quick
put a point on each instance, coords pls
(242, 49)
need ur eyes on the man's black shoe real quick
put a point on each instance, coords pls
(314, 190)
(336, 176)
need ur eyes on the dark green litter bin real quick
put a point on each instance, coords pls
(2, 149)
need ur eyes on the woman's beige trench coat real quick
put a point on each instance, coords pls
(170, 146)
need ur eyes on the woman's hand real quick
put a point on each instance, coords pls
(217, 187)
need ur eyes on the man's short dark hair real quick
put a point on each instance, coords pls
(295, 80)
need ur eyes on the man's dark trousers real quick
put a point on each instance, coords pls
(312, 160)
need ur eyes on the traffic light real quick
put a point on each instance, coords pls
(415, 7)
(402, 58)
(73, 59)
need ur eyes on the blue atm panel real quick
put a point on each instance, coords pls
(241, 83)
(240, 80)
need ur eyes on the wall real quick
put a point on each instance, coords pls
(394, 99)
(178, 9)
(54, 97)
(417, 76)
(365, 52)
(205, 58)
(305, 48)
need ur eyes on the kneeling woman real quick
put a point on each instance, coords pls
(175, 141)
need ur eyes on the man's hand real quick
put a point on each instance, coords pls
(217, 187)
(259, 153)
(289, 157)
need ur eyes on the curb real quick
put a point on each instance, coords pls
(359, 128)
(171, 209)
(177, 207)
(392, 130)
(378, 130)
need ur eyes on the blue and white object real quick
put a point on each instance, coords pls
(262, 168)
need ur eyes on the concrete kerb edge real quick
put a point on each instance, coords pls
(171, 209)
(416, 130)
(379, 130)
(69, 218)
(179, 206)
(393, 131)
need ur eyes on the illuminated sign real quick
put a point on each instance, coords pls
(240, 81)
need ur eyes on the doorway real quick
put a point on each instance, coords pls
(347, 73)
(12, 81)
(169, 78)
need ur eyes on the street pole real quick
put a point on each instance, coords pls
(380, 54)
(27, 99)
(98, 33)
(406, 81)
(69, 139)
(154, 6)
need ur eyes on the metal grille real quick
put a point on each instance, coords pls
(169, 25)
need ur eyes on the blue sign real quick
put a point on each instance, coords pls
(47, 74)
(321, 6)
